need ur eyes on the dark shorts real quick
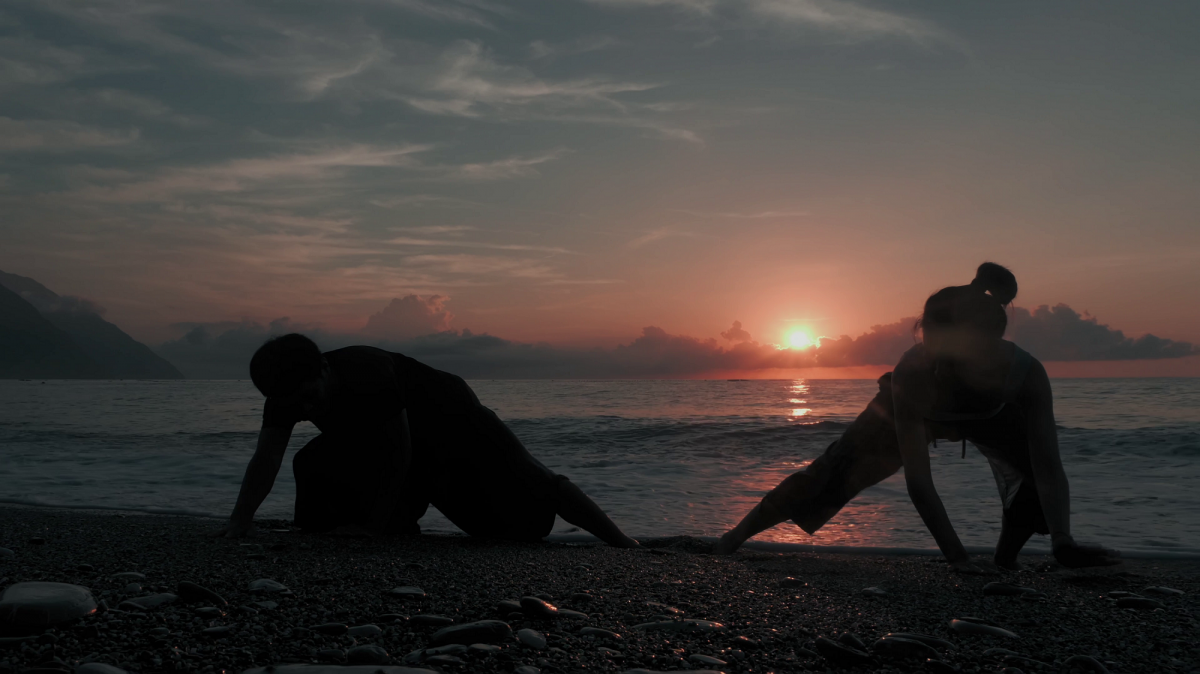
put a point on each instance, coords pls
(868, 453)
(465, 462)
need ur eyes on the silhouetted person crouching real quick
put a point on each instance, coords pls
(397, 436)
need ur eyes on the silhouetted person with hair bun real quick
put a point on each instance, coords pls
(397, 436)
(963, 381)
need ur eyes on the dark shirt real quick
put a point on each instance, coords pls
(369, 387)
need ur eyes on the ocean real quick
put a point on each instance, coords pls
(663, 458)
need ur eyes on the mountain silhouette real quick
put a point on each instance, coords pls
(111, 352)
(32, 347)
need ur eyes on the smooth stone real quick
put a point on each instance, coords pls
(408, 592)
(1001, 589)
(417, 656)
(37, 540)
(963, 626)
(507, 606)
(132, 588)
(790, 583)
(805, 653)
(935, 642)
(581, 598)
(571, 615)
(1140, 603)
(531, 638)
(873, 592)
(852, 640)
(267, 605)
(190, 593)
(98, 668)
(527, 669)
(705, 659)
(1163, 591)
(690, 625)
(484, 649)
(210, 612)
(431, 620)
(1087, 663)
(86, 568)
(1008, 656)
(390, 617)
(445, 660)
(5, 553)
(940, 667)
(336, 654)
(367, 655)
(535, 607)
(663, 608)
(36, 606)
(610, 652)
(365, 631)
(152, 601)
(219, 631)
(266, 586)
(336, 669)
(332, 629)
(482, 631)
(1117, 594)
(840, 653)
(129, 575)
(900, 648)
(598, 633)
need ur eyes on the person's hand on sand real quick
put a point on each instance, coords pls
(234, 530)
(969, 568)
(1080, 555)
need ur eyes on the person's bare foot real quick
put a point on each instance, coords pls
(726, 545)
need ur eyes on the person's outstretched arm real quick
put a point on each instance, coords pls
(1054, 491)
(914, 452)
(575, 507)
(259, 478)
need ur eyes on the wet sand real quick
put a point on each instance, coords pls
(769, 625)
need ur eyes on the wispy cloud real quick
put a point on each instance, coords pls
(754, 215)
(841, 17)
(58, 136)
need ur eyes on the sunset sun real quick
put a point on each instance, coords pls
(800, 339)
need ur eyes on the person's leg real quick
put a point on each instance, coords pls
(575, 507)
(762, 517)
(1012, 538)
(320, 501)
(866, 454)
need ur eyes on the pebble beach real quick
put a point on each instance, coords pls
(168, 598)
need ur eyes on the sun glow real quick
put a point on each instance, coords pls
(800, 339)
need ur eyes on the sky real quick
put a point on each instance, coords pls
(579, 175)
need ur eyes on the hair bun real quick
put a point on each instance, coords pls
(997, 280)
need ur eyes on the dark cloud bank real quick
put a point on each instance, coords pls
(419, 327)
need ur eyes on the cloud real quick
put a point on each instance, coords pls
(1063, 334)
(58, 136)
(512, 167)
(421, 328)
(223, 350)
(841, 17)
(736, 333)
(409, 316)
(466, 79)
(846, 18)
(654, 235)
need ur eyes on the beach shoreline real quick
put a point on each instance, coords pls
(767, 626)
